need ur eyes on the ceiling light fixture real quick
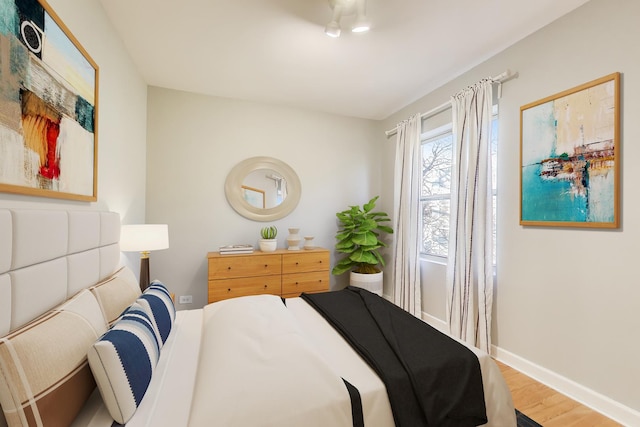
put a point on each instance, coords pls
(347, 7)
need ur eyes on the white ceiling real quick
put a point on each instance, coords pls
(275, 51)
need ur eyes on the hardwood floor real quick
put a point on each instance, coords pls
(548, 407)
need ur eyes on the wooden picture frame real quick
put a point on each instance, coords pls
(49, 98)
(570, 157)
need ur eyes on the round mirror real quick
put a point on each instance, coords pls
(262, 188)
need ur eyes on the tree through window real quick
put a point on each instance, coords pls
(435, 194)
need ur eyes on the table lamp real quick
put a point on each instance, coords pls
(144, 238)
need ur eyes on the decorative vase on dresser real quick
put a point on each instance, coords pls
(293, 239)
(282, 272)
(308, 242)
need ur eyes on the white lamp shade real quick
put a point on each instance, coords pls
(144, 237)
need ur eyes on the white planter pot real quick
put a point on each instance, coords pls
(370, 282)
(268, 245)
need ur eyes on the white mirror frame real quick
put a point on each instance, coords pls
(233, 183)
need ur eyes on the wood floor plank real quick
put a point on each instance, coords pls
(548, 407)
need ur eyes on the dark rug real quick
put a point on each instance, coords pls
(524, 421)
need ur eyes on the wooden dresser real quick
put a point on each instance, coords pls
(283, 272)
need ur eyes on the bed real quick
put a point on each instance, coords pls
(68, 310)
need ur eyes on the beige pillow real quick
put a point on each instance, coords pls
(45, 376)
(116, 293)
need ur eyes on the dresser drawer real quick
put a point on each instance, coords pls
(304, 261)
(294, 284)
(231, 288)
(244, 266)
(283, 272)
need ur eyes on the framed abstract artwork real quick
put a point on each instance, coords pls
(48, 106)
(570, 157)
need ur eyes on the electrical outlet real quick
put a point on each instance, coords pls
(186, 299)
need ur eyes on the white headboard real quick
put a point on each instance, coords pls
(47, 256)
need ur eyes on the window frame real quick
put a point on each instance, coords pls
(425, 138)
(438, 132)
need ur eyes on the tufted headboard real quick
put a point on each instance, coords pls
(47, 256)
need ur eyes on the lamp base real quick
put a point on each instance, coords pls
(144, 273)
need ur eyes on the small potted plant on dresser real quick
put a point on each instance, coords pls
(359, 233)
(268, 243)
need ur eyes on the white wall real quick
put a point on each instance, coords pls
(567, 301)
(193, 143)
(121, 118)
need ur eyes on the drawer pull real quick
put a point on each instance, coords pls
(229, 290)
(265, 286)
(229, 268)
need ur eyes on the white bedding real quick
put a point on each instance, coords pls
(257, 368)
(234, 381)
(345, 362)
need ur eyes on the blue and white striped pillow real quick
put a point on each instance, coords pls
(123, 361)
(157, 299)
(141, 305)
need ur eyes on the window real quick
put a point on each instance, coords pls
(435, 194)
(435, 198)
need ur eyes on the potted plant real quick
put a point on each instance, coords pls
(359, 237)
(268, 243)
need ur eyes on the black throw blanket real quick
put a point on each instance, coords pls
(431, 379)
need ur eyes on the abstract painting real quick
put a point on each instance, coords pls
(570, 157)
(48, 105)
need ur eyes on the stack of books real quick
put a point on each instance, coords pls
(236, 249)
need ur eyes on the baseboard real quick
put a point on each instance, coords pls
(440, 325)
(596, 401)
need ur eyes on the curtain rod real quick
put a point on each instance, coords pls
(502, 77)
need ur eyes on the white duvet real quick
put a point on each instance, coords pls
(257, 369)
(252, 361)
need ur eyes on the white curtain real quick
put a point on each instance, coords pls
(406, 248)
(470, 261)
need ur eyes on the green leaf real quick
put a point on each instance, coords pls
(343, 266)
(370, 205)
(345, 246)
(385, 229)
(365, 239)
(361, 256)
